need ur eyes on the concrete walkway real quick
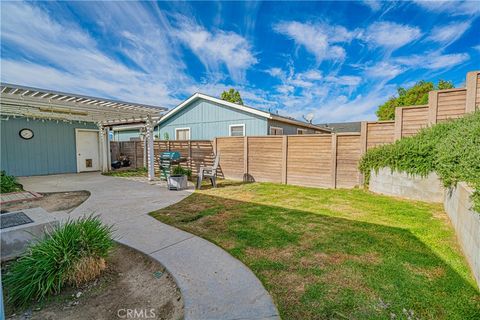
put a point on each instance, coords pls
(214, 285)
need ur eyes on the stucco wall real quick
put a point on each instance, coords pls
(466, 222)
(50, 151)
(208, 120)
(400, 184)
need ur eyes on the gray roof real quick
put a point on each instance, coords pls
(342, 126)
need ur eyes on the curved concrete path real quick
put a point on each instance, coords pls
(214, 285)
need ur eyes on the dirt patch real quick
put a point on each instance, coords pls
(429, 273)
(51, 202)
(132, 283)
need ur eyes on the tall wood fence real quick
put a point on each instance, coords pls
(320, 160)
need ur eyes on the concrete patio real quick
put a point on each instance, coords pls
(213, 283)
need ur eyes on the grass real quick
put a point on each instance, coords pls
(138, 172)
(73, 253)
(336, 254)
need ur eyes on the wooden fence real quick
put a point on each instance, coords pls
(320, 160)
(131, 149)
(196, 153)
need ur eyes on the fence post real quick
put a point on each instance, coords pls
(135, 154)
(334, 161)
(145, 151)
(432, 107)
(245, 157)
(471, 86)
(168, 145)
(190, 154)
(363, 144)
(215, 146)
(398, 123)
(284, 158)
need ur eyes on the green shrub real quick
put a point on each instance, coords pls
(451, 149)
(72, 253)
(8, 183)
(180, 171)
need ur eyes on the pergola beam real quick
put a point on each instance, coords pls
(52, 105)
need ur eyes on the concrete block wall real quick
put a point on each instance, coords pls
(466, 223)
(400, 184)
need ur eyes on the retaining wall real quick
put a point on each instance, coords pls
(466, 223)
(402, 185)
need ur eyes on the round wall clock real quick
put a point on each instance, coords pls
(26, 134)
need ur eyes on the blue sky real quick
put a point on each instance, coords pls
(337, 60)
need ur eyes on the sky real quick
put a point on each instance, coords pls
(337, 60)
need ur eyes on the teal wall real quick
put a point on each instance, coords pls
(287, 128)
(125, 135)
(50, 151)
(208, 120)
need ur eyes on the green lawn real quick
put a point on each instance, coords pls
(122, 172)
(337, 254)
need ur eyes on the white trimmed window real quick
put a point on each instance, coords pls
(276, 131)
(237, 130)
(182, 134)
(302, 131)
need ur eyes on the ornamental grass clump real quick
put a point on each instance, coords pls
(8, 183)
(72, 254)
(451, 149)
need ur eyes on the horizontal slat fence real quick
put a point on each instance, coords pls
(306, 160)
(329, 161)
(379, 132)
(197, 153)
(309, 160)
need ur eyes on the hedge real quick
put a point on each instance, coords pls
(451, 149)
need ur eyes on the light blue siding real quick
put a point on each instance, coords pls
(287, 127)
(208, 120)
(51, 150)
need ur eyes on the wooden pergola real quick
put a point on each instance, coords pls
(41, 104)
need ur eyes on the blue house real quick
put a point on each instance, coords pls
(202, 117)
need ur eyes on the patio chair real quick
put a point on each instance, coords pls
(209, 172)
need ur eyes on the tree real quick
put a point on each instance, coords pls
(416, 95)
(232, 95)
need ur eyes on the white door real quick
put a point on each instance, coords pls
(88, 156)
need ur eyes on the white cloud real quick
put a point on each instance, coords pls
(390, 35)
(61, 55)
(432, 61)
(374, 5)
(319, 39)
(448, 34)
(455, 8)
(384, 70)
(218, 48)
(344, 80)
(444, 61)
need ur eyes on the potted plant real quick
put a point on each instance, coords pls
(178, 178)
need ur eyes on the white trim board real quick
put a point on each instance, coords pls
(236, 125)
(276, 128)
(186, 128)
